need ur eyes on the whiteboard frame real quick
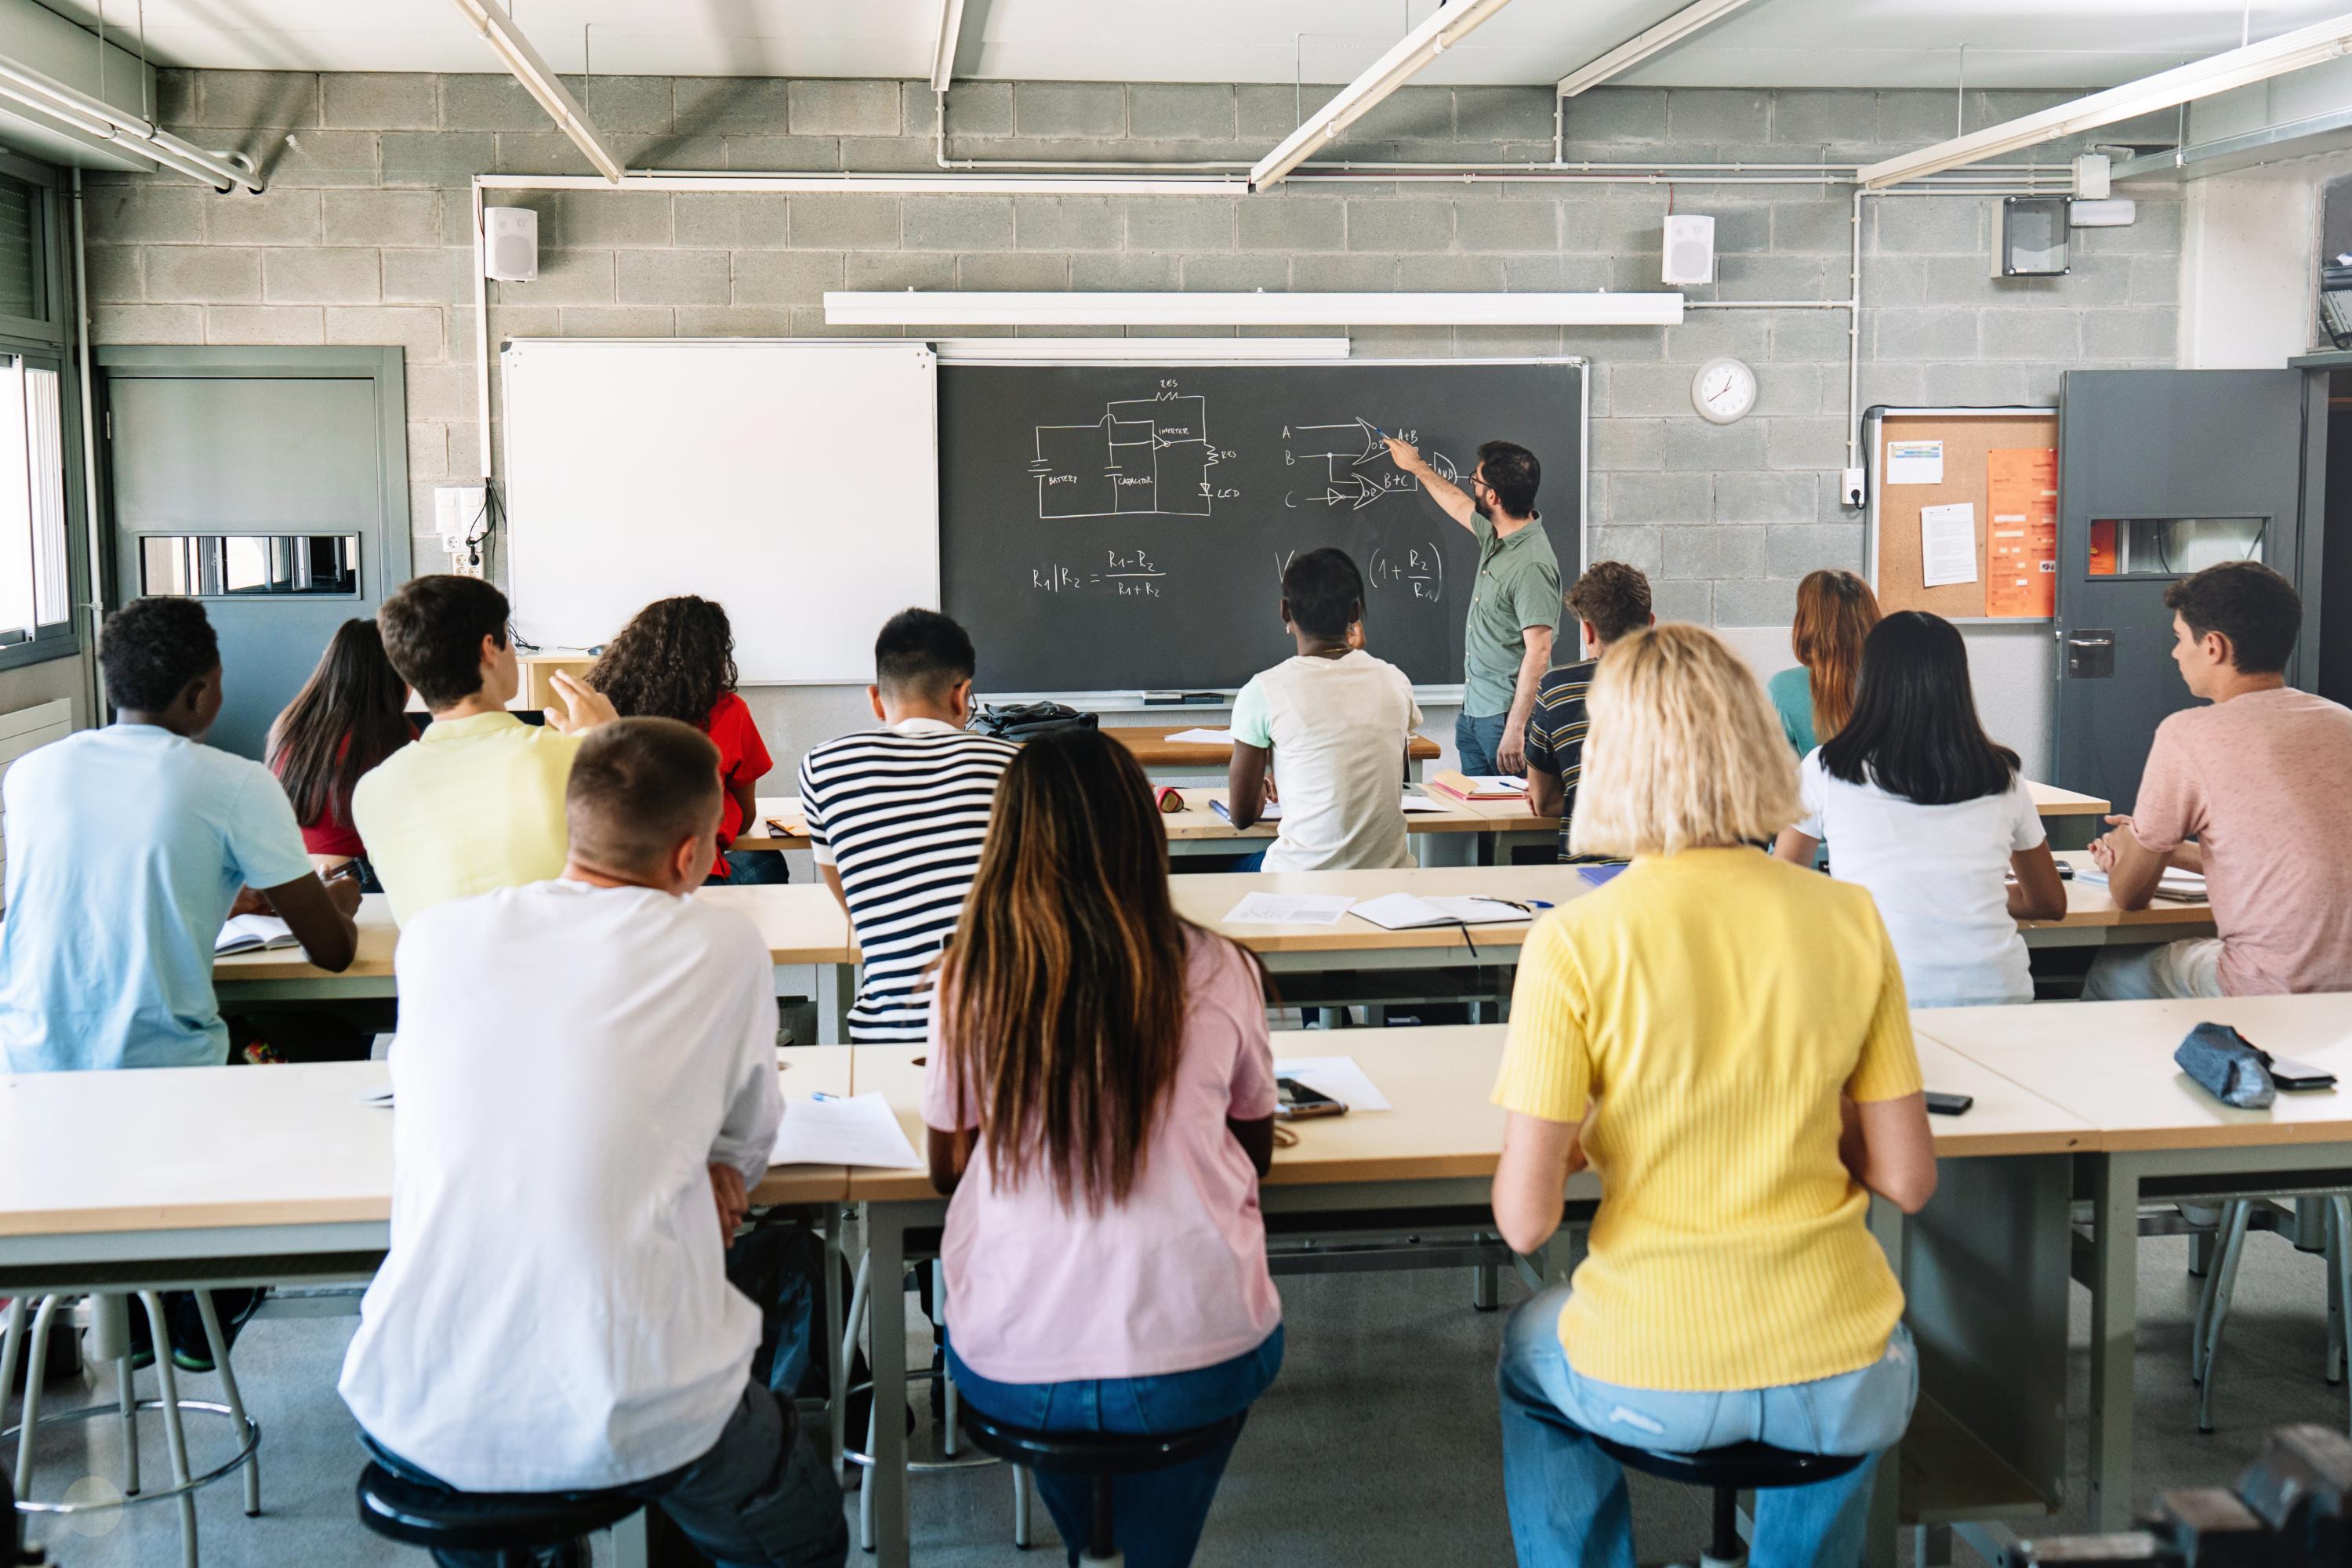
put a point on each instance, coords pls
(506, 404)
(1131, 700)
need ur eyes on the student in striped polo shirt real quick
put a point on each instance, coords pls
(897, 816)
(1611, 601)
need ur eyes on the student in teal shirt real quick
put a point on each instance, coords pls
(127, 850)
(1835, 611)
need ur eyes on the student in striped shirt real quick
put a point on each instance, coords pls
(1611, 601)
(897, 816)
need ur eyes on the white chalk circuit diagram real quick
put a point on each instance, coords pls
(1153, 457)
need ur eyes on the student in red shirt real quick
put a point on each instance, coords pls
(677, 661)
(348, 716)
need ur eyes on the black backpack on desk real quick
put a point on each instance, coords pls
(1025, 721)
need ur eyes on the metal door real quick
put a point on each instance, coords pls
(273, 488)
(2162, 472)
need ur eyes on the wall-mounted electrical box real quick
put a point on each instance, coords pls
(2029, 237)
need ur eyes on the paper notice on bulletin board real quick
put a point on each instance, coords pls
(1915, 462)
(2022, 533)
(1947, 544)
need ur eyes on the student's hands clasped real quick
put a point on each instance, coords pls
(2107, 846)
(583, 708)
(734, 1203)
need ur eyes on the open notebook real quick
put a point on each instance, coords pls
(2176, 887)
(1411, 911)
(252, 933)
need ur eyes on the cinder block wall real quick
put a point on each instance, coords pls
(362, 238)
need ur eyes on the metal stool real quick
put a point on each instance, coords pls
(1728, 1471)
(1102, 1456)
(111, 1340)
(515, 1525)
(2237, 1218)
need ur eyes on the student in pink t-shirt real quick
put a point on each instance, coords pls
(1100, 1097)
(2251, 792)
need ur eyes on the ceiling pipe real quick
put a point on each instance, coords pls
(1447, 26)
(538, 80)
(95, 116)
(1690, 19)
(2310, 46)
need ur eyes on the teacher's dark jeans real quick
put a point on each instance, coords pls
(1158, 1515)
(1478, 739)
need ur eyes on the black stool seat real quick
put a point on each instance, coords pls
(1741, 1467)
(1095, 1452)
(420, 1515)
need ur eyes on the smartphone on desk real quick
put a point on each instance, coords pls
(2296, 1077)
(1297, 1102)
(1948, 1104)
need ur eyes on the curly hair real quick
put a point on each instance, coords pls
(152, 648)
(675, 661)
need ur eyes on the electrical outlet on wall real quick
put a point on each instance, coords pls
(458, 517)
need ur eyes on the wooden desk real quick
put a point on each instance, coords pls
(1357, 944)
(2158, 1137)
(2092, 918)
(804, 927)
(2050, 801)
(1436, 1149)
(1190, 761)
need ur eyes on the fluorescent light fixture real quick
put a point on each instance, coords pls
(1447, 26)
(538, 79)
(943, 55)
(2309, 45)
(94, 117)
(949, 307)
(1642, 46)
(1141, 350)
(940, 184)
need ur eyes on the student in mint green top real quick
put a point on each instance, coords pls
(1835, 611)
(126, 849)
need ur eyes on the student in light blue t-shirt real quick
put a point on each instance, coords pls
(127, 850)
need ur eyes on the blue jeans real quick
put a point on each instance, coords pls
(1567, 1502)
(1158, 1516)
(751, 867)
(1477, 739)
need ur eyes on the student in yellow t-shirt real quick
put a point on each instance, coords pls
(477, 803)
(1723, 1038)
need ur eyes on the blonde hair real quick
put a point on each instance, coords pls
(1835, 611)
(1684, 751)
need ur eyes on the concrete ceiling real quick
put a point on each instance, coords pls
(1772, 43)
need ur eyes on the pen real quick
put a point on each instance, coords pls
(822, 1095)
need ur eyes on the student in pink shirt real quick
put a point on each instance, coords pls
(1100, 1097)
(2251, 791)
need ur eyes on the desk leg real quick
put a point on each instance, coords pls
(836, 989)
(1886, 1484)
(836, 1366)
(629, 1550)
(2114, 1322)
(885, 1309)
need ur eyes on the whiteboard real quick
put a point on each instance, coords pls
(794, 481)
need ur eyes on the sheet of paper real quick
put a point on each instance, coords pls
(858, 1130)
(249, 933)
(1202, 738)
(1337, 1077)
(2021, 532)
(1289, 910)
(1269, 812)
(1947, 544)
(1915, 462)
(1479, 912)
(1408, 911)
(1423, 803)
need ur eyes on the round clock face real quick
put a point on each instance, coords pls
(1723, 390)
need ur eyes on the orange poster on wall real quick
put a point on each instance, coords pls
(2021, 532)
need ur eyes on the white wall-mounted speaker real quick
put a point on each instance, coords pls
(509, 244)
(1689, 248)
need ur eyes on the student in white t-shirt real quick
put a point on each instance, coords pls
(1339, 720)
(1920, 807)
(586, 1074)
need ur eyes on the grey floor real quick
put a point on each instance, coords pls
(1375, 1447)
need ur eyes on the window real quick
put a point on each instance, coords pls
(35, 579)
(22, 254)
(2171, 546)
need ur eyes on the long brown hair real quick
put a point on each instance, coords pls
(1835, 611)
(348, 717)
(675, 660)
(1062, 999)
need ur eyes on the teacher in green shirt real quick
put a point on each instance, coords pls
(1514, 601)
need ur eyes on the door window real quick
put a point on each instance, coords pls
(249, 565)
(2171, 546)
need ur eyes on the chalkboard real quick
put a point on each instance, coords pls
(1116, 528)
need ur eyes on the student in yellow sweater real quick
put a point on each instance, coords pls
(1723, 1037)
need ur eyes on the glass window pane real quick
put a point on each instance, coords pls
(20, 250)
(2171, 546)
(213, 565)
(46, 451)
(17, 599)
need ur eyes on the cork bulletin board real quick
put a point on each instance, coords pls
(1987, 456)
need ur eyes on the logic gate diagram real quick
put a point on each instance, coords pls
(1144, 456)
(1355, 475)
